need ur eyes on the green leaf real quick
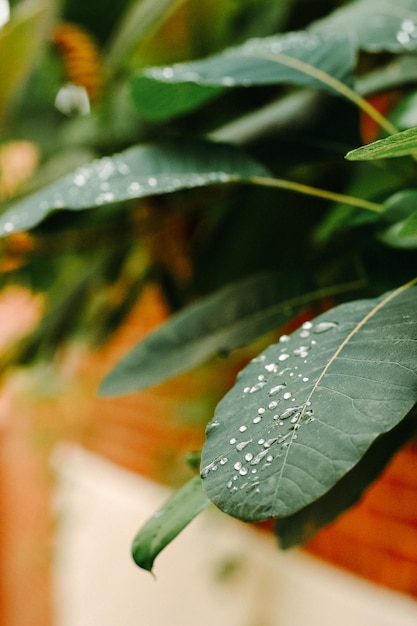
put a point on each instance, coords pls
(166, 523)
(398, 145)
(409, 226)
(141, 19)
(138, 172)
(232, 317)
(159, 101)
(304, 412)
(291, 58)
(375, 26)
(20, 41)
(300, 527)
(398, 222)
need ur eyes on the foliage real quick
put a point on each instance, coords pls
(237, 129)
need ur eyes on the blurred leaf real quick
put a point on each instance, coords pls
(290, 58)
(231, 318)
(300, 527)
(398, 145)
(138, 172)
(409, 227)
(399, 216)
(398, 72)
(20, 41)
(304, 412)
(160, 101)
(139, 22)
(374, 25)
(166, 523)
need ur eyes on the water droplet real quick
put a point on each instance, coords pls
(284, 356)
(301, 350)
(259, 359)
(287, 395)
(230, 484)
(307, 326)
(258, 458)
(257, 387)
(242, 445)
(246, 390)
(257, 419)
(269, 458)
(261, 442)
(224, 460)
(288, 412)
(79, 180)
(284, 338)
(167, 72)
(305, 379)
(243, 471)
(261, 377)
(243, 428)
(304, 334)
(273, 405)
(261, 410)
(248, 456)
(237, 466)
(276, 389)
(228, 81)
(322, 327)
(272, 368)
(8, 227)
(212, 426)
(269, 442)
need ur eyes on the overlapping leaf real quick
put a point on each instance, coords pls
(375, 26)
(304, 412)
(138, 172)
(230, 318)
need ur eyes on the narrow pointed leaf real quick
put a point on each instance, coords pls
(138, 172)
(304, 412)
(228, 319)
(290, 58)
(409, 227)
(401, 144)
(166, 523)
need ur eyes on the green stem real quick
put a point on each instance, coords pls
(335, 84)
(319, 193)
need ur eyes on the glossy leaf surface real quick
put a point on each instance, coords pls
(304, 412)
(401, 144)
(376, 26)
(167, 522)
(136, 173)
(291, 58)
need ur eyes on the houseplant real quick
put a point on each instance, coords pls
(244, 149)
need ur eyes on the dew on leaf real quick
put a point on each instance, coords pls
(287, 395)
(284, 356)
(276, 389)
(242, 445)
(243, 428)
(257, 419)
(322, 327)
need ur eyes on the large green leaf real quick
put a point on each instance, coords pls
(398, 145)
(375, 26)
(304, 412)
(138, 172)
(166, 523)
(217, 324)
(288, 58)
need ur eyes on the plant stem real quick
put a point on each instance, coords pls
(319, 193)
(335, 84)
